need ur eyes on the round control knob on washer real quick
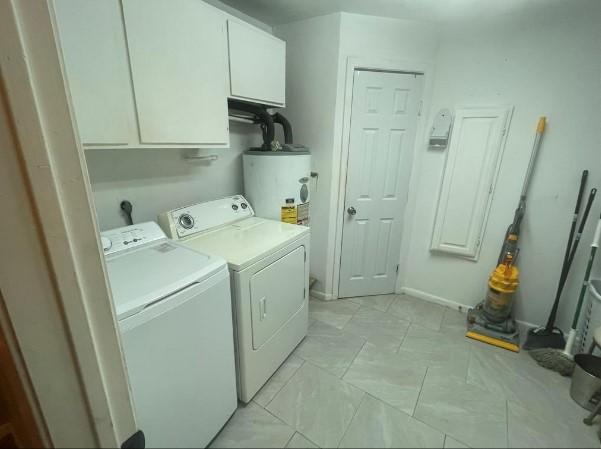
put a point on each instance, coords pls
(243, 205)
(106, 243)
(235, 206)
(186, 221)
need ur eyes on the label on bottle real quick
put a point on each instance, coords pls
(302, 214)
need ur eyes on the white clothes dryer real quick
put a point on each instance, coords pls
(269, 267)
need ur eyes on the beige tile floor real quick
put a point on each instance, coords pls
(393, 371)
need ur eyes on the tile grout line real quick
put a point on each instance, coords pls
(277, 417)
(405, 413)
(287, 382)
(353, 361)
(352, 418)
(290, 439)
(404, 337)
(306, 438)
(419, 395)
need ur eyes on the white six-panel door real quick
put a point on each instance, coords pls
(382, 134)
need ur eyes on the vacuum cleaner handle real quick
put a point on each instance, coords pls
(514, 227)
(564, 275)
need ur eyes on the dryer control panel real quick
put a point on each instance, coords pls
(201, 217)
(128, 237)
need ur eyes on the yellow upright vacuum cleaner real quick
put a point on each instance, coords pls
(491, 321)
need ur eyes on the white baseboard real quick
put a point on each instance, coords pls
(435, 299)
(448, 303)
(322, 295)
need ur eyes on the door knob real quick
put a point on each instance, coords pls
(351, 210)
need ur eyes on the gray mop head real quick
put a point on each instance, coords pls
(554, 359)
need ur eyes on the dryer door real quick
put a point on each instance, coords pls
(277, 292)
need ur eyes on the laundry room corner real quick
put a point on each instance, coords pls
(300, 223)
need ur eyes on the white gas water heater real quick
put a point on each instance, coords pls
(276, 177)
(277, 183)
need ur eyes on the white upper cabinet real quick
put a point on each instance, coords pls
(257, 65)
(178, 62)
(469, 179)
(154, 73)
(97, 70)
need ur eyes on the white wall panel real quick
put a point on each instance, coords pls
(469, 177)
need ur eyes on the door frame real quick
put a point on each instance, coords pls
(386, 65)
(56, 276)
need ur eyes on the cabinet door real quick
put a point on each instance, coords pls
(177, 53)
(94, 49)
(469, 179)
(257, 64)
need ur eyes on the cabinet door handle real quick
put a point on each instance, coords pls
(351, 210)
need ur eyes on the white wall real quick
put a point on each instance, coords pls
(548, 64)
(159, 180)
(311, 86)
(379, 37)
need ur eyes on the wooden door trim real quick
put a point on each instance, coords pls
(53, 273)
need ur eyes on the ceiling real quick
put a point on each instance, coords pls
(276, 12)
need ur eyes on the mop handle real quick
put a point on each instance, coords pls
(564, 275)
(587, 209)
(591, 259)
(566, 257)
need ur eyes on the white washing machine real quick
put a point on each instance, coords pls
(173, 307)
(269, 266)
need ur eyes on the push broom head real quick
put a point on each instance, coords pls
(554, 359)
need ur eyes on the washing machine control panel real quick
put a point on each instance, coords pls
(128, 237)
(200, 217)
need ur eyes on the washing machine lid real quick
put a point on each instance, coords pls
(247, 241)
(145, 275)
